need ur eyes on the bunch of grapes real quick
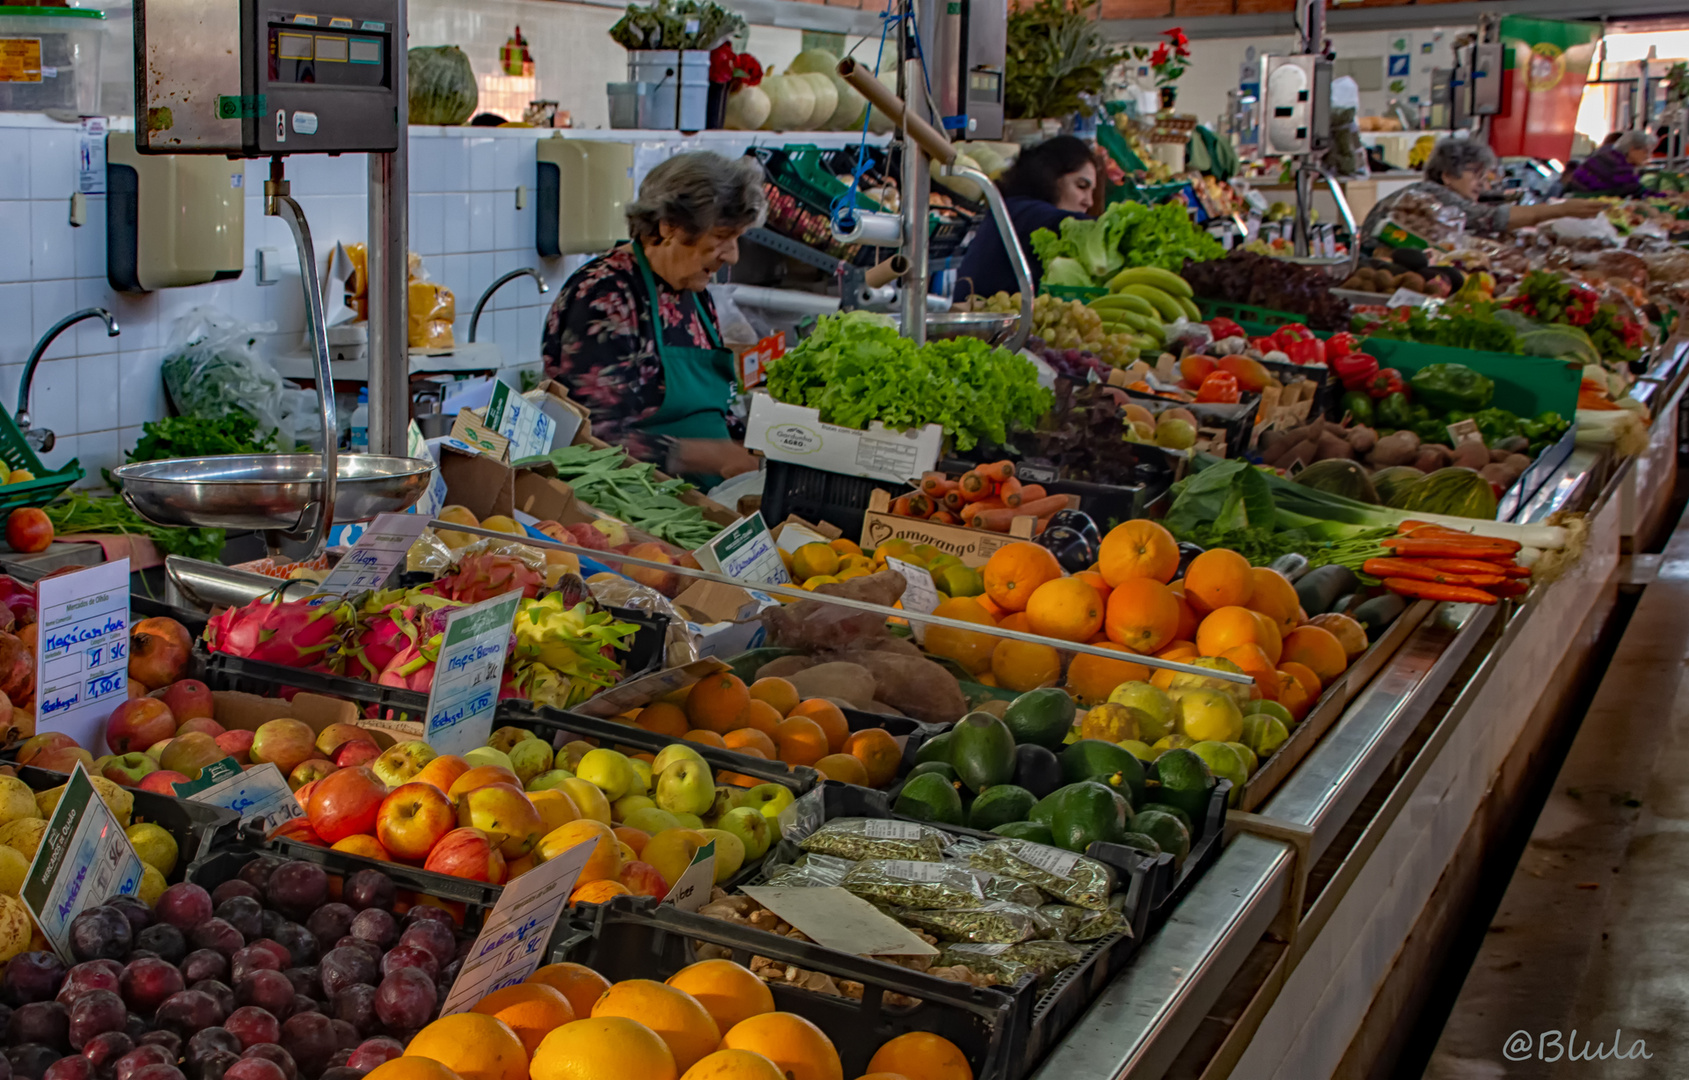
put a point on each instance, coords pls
(1072, 363)
(1066, 324)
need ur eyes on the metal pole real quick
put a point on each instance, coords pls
(389, 275)
(916, 184)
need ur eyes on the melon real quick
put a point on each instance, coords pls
(826, 100)
(791, 102)
(848, 112)
(747, 108)
(442, 85)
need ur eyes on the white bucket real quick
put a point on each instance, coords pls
(694, 90)
(659, 108)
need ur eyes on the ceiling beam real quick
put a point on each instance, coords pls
(1259, 24)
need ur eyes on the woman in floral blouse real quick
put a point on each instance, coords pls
(663, 395)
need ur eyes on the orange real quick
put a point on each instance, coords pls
(603, 1048)
(729, 992)
(663, 718)
(1189, 620)
(363, 844)
(596, 892)
(1138, 549)
(971, 650)
(751, 737)
(1016, 621)
(577, 982)
(1319, 649)
(1345, 629)
(845, 547)
(1090, 679)
(1293, 696)
(676, 1016)
(606, 860)
(1066, 609)
(879, 753)
(716, 701)
(776, 692)
(474, 1046)
(1275, 597)
(758, 715)
(734, 1065)
(1304, 676)
(1022, 665)
(1143, 614)
(1014, 572)
(1272, 641)
(1178, 649)
(843, 768)
(410, 1068)
(921, 1055)
(800, 740)
(633, 838)
(828, 718)
(706, 738)
(1219, 578)
(1095, 581)
(531, 1010)
(801, 1049)
(1254, 663)
(1227, 628)
(986, 604)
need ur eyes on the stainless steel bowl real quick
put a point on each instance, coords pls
(988, 326)
(268, 491)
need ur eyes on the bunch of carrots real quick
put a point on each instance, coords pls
(984, 497)
(1431, 562)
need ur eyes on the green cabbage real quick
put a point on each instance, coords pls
(442, 85)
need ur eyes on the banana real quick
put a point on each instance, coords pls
(1189, 305)
(1165, 306)
(1127, 301)
(1165, 280)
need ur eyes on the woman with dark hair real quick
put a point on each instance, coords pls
(1054, 180)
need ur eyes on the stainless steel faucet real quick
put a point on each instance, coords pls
(494, 287)
(41, 439)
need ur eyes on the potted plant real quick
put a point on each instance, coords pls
(1055, 53)
(1168, 62)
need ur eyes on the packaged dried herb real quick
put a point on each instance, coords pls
(1043, 959)
(992, 922)
(1083, 882)
(811, 871)
(870, 838)
(922, 885)
(1081, 924)
(1010, 890)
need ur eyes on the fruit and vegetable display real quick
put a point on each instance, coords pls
(1262, 281)
(986, 497)
(1547, 298)
(78, 512)
(1088, 252)
(676, 24)
(632, 492)
(1069, 334)
(1430, 562)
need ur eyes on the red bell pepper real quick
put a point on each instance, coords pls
(1355, 370)
(1306, 351)
(1264, 345)
(1220, 387)
(1290, 332)
(1388, 381)
(1341, 344)
(1223, 328)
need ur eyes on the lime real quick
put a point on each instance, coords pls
(1247, 756)
(1271, 708)
(1209, 715)
(1264, 733)
(1170, 742)
(1140, 749)
(1224, 763)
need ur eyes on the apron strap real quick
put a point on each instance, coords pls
(654, 298)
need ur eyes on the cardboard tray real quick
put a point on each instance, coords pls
(973, 546)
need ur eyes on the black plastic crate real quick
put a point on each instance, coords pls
(1207, 839)
(818, 495)
(1328, 390)
(142, 606)
(1236, 420)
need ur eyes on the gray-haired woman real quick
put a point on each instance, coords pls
(633, 333)
(1454, 175)
(1611, 170)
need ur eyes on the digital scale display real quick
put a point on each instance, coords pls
(327, 50)
(985, 85)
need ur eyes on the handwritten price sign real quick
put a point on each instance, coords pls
(378, 552)
(468, 673)
(82, 665)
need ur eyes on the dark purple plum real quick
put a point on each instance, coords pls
(244, 914)
(93, 975)
(343, 967)
(232, 888)
(284, 958)
(410, 956)
(257, 872)
(218, 936)
(301, 1003)
(146, 984)
(31, 1060)
(219, 992)
(104, 1050)
(435, 937)
(340, 1058)
(345, 1036)
(406, 999)
(205, 1040)
(356, 1006)
(329, 923)
(254, 1069)
(140, 916)
(136, 1027)
(369, 889)
(73, 1067)
(169, 1040)
(298, 889)
(184, 906)
(268, 990)
(164, 941)
(274, 1053)
(210, 1066)
(204, 964)
(370, 947)
(372, 1052)
(271, 920)
(32, 976)
(139, 954)
(311, 1039)
(44, 1022)
(188, 1011)
(376, 925)
(340, 1072)
(97, 1012)
(139, 1058)
(252, 1025)
(158, 1072)
(304, 980)
(251, 960)
(101, 933)
(299, 942)
(428, 913)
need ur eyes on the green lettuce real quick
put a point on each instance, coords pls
(1067, 272)
(1127, 233)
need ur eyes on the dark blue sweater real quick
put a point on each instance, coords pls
(985, 265)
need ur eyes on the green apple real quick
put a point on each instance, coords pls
(752, 829)
(630, 804)
(486, 755)
(642, 774)
(570, 756)
(686, 787)
(651, 819)
(607, 771)
(506, 738)
(727, 797)
(689, 821)
(729, 853)
(673, 753)
(769, 800)
(545, 781)
(529, 758)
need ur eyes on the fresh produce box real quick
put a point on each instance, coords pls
(1525, 385)
(796, 434)
(990, 496)
(972, 545)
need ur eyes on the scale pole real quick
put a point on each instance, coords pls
(389, 272)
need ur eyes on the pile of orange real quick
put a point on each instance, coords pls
(714, 1020)
(768, 719)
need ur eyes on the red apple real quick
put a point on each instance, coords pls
(188, 699)
(345, 803)
(64, 759)
(442, 772)
(190, 753)
(413, 819)
(469, 854)
(236, 744)
(333, 737)
(28, 530)
(139, 723)
(202, 724)
(159, 651)
(285, 742)
(160, 782)
(307, 771)
(642, 879)
(367, 846)
(356, 752)
(36, 745)
(298, 830)
(303, 795)
(556, 531)
(506, 814)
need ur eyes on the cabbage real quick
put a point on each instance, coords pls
(1067, 272)
(442, 85)
(1456, 491)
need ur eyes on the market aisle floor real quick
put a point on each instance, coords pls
(1591, 934)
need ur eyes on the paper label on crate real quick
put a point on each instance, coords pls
(836, 919)
(91, 156)
(258, 793)
(512, 943)
(378, 552)
(82, 664)
(793, 536)
(1465, 429)
(919, 593)
(803, 816)
(745, 551)
(891, 830)
(480, 438)
(693, 889)
(910, 870)
(84, 860)
(20, 60)
(1409, 298)
(525, 424)
(1054, 860)
(468, 673)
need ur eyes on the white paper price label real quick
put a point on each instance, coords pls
(919, 593)
(84, 860)
(1462, 430)
(745, 550)
(693, 889)
(257, 793)
(378, 552)
(467, 674)
(525, 424)
(82, 663)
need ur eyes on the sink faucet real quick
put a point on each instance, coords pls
(41, 439)
(494, 287)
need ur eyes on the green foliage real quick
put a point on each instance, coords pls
(1457, 326)
(663, 25)
(1055, 53)
(1126, 234)
(197, 436)
(80, 512)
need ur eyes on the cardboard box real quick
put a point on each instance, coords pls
(574, 423)
(972, 546)
(795, 434)
(723, 618)
(483, 484)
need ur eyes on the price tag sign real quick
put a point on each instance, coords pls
(378, 552)
(258, 793)
(84, 860)
(525, 424)
(512, 943)
(745, 550)
(467, 674)
(82, 663)
(919, 593)
(1465, 429)
(693, 889)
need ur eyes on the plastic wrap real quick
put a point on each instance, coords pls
(994, 921)
(1070, 923)
(1082, 882)
(872, 838)
(431, 554)
(432, 310)
(1009, 963)
(1438, 223)
(903, 883)
(812, 872)
(1010, 890)
(212, 369)
(614, 590)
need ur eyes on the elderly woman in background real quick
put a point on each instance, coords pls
(1455, 174)
(1611, 170)
(633, 334)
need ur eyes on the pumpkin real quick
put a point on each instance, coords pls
(442, 85)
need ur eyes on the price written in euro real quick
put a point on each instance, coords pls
(82, 664)
(467, 674)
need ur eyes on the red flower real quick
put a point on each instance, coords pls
(721, 63)
(1160, 57)
(747, 70)
(1178, 36)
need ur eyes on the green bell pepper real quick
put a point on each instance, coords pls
(1457, 415)
(1359, 407)
(1553, 421)
(1534, 431)
(1393, 411)
(1432, 431)
(1452, 386)
(1496, 424)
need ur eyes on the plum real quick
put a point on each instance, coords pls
(232, 888)
(284, 958)
(92, 975)
(97, 1012)
(204, 964)
(412, 956)
(299, 942)
(169, 1040)
(273, 1053)
(271, 920)
(32, 976)
(251, 960)
(158, 1072)
(311, 1039)
(372, 1052)
(212, 1065)
(252, 1025)
(257, 872)
(74, 1067)
(339, 1060)
(136, 1027)
(44, 1022)
(217, 935)
(297, 889)
(164, 941)
(369, 947)
(244, 914)
(209, 1039)
(301, 1003)
(329, 923)
(101, 933)
(268, 990)
(376, 925)
(139, 1058)
(255, 1068)
(340, 1072)
(103, 1050)
(356, 1006)
(139, 915)
(304, 980)
(31, 1060)
(220, 993)
(369, 889)
(428, 913)
(447, 976)
(406, 999)
(145, 984)
(188, 1011)
(184, 906)
(436, 937)
(343, 967)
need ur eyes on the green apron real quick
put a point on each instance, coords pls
(697, 383)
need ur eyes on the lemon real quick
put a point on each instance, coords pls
(13, 869)
(814, 560)
(1184, 682)
(152, 884)
(1225, 763)
(1263, 733)
(18, 476)
(1160, 714)
(154, 845)
(1110, 723)
(1210, 716)
(1138, 749)
(1171, 742)
(1273, 709)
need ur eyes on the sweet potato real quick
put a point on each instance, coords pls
(1363, 439)
(1333, 445)
(1396, 448)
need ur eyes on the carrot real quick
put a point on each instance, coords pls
(974, 486)
(1031, 492)
(1514, 587)
(933, 483)
(900, 506)
(1439, 532)
(1477, 566)
(945, 517)
(973, 508)
(997, 470)
(1412, 547)
(997, 520)
(1044, 507)
(953, 500)
(1430, 590)
(920, 504)
(1404, 568)
(1009, 492)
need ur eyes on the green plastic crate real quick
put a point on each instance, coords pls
(16, 453)
(797, 169)
(1082, 293)
(1265, 319)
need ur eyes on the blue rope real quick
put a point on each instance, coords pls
(844, 206)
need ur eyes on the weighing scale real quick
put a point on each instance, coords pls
(258, 79)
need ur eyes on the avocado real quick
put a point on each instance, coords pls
(1037, 769)
(942, 768)
(1167, 831)
(1186, 781)
(1041, 717)
(1167, 808)
(982, 750)
(999, 805)
(1026, 830)
(1094, 759)
(930, 797)
(936, 748)
(1090, 812)
(1145, 844)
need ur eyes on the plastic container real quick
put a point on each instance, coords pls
(16, 454)
(359, 442)
(818, 495)
(659, 69)
(50, 59)
(694, 106)
(1208, 837)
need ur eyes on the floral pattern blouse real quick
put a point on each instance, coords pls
(598, 343)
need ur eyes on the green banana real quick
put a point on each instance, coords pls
(1164, 305)
(1165, 280)
(1190, 307)
(1128, 301)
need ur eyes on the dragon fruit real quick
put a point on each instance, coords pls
(566, 653)
(292, 633)
(482, 576)
(413, 667)
(387, 623)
